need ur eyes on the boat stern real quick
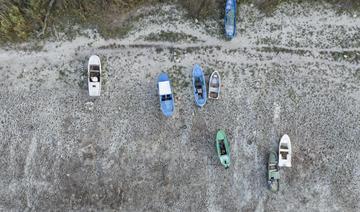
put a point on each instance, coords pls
(273, 185)
(225, 161)
(200, 102)
(167, 108)
(285, 163)
(94, 88)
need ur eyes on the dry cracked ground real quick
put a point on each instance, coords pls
(295, 72)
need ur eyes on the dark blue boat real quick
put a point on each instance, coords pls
(230, 19)
(199, 86)
(166, 96)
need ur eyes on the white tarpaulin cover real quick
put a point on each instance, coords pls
(164, 88)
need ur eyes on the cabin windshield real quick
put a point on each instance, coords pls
(284, 147)
(94, 68)
(222, 148)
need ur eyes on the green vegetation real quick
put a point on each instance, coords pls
(203, 8)
(171, 37)
(21, 20)
(13, 25)
(293, 96)
(351, 56)
(278, 50)
(357, 74)
(179, 79)
(24, 19)
(269, 6)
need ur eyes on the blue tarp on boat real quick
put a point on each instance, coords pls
(230, 18)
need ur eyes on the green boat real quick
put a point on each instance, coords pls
(223, 148)
(273, 172)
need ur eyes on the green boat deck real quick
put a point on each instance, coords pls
(223, 148)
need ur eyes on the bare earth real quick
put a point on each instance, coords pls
(296, 72)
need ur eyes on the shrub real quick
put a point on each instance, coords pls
(13, 25)
(201, 8)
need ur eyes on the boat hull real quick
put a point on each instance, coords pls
(166, 95)
(199, 86)
(230, 19)
(285, 151)
(214, 85)
(223, 148)
(94, 76)
(273, 172)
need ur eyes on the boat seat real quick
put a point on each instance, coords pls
(272, 166)
(214, 95)
(283, 155)
(199, 91)
(94, 79)
(212, 89)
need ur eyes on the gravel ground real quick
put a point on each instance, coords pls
(296, 72)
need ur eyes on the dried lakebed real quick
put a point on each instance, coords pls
(294, 72)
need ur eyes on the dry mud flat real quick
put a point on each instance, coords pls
(296, 72)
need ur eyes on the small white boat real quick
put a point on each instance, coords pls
(285, 152)
(94, 73)
(214, 85)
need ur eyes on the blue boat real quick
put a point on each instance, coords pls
(166, 96)
(230, 19)
(199, 86)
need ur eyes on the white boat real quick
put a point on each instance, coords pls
(94, 76)
(285, 151)
(214, 85)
